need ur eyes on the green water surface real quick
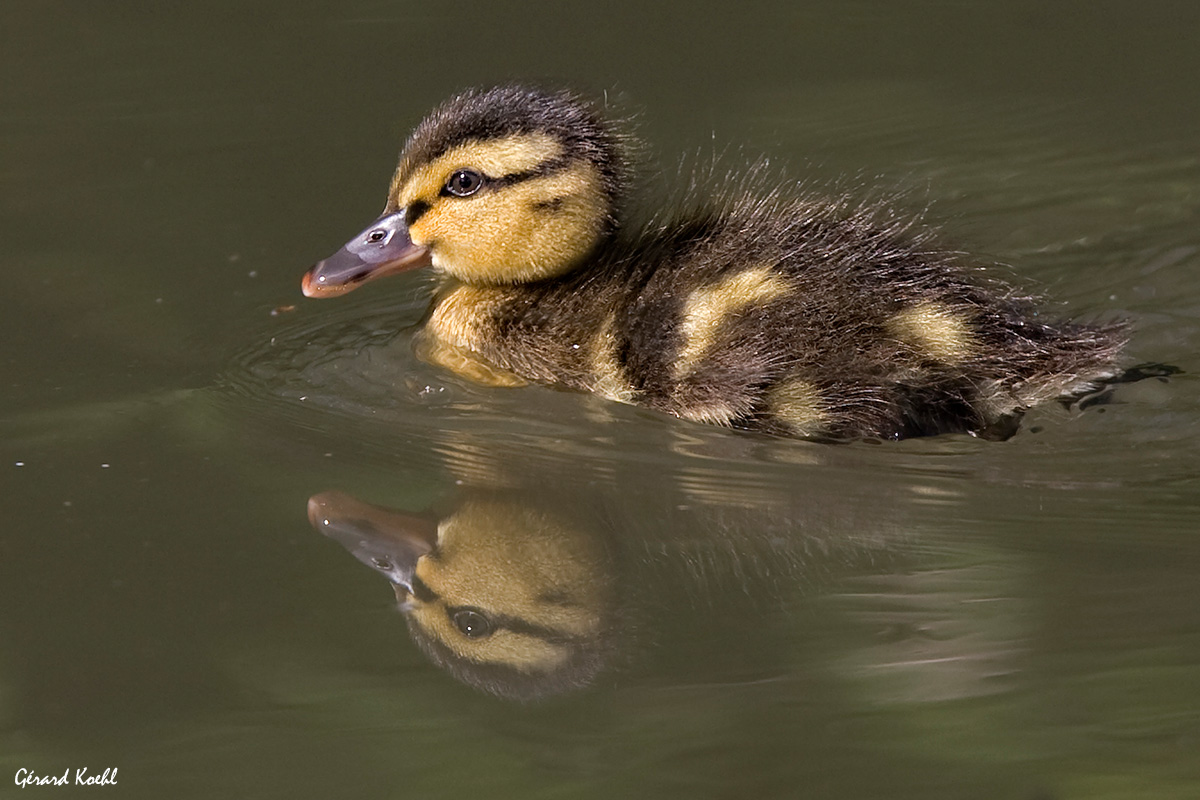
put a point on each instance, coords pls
(945, 618)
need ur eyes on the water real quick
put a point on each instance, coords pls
(938, 618)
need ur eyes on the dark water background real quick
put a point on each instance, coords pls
(944, 618)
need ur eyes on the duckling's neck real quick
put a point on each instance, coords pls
(462, 313)
(541, 331)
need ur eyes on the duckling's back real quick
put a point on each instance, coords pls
(802, 317)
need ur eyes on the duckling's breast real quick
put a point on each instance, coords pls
(548, 333)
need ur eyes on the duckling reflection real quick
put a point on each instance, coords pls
(528, 593)
(507, 598)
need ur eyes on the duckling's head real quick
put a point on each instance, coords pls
(497, 186)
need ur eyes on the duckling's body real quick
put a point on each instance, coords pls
(792, 315)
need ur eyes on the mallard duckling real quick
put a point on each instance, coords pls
(775, 311)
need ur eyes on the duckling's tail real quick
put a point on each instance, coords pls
(1103, 394)
(1056, 360)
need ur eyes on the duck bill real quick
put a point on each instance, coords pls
(387, 541)
(384, 248)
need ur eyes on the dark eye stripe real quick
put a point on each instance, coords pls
(415, 211)
(422, 592)
(546, 634)
(490, 183)
(516, 625)
(550, 167)
(551, 205)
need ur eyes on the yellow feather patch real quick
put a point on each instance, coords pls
(607, 375)
(531, 230)
(714, 413)
(935, 330)
(456, 316)
(452, 338)
(799, 405)
(707, 309)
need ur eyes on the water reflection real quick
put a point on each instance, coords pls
(525, 590)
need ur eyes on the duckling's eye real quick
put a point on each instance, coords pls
(464, 183)
(472, 624)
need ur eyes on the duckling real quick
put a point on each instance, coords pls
(777, 311)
